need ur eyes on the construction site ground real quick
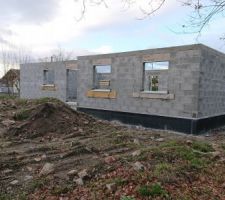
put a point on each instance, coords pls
(49, 151)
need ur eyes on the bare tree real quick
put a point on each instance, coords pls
(59, 55)
(202, 14)
(153, 6)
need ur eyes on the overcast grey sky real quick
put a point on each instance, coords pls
(44, 25)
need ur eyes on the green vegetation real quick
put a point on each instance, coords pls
(7, 97)
(153, 191)
(22, 115)
(162, 169)
(223, 146)
(61, 190)
(176, 158)
(142, 157)
(22, 102)
(36, 184)
(202, 146)
(120, 181)
(197, 163)
(20, 196)
(5, 196)
(46, 100)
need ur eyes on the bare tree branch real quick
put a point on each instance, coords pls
(203, 11)
(154, 9)
(85, 4)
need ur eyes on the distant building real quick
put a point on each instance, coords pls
(10, 82)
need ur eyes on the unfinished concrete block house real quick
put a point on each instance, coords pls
(177, 88)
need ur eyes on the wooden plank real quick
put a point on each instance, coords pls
(101, 94)
(49, 87)
(104, 82)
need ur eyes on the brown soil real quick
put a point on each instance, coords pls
(48, 118)
(36, 132)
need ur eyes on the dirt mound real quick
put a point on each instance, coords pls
(50, 118)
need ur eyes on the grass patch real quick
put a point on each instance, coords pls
(171, 143)
(120, 181)
(5, 196)
(21, 102)
(162, 169)
(22, 115)
(193, 156)
(154, 191)
(36, 184)
(46, 100)
(165, 173)
(187, 153)
(7, 96)
(223, 146)
(20, 195)
(195, 159)
(202, 146)
(122, 138)
(61, 190)
(142, 157)
(197, 163)
(164, 155)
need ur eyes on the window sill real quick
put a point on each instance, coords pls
(49, 87)
(154, 92)
(102, 93)
(101, 90)
(154, 95)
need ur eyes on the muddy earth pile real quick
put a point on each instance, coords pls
(50, 119)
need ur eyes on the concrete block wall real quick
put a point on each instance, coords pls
(126, 78)
(211, 83)
(31, 80)
(196, 77)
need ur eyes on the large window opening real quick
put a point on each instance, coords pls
(152, 72)
(102, 76)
